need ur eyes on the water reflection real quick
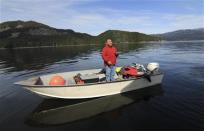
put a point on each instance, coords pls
(27, 59)
(54, 112)
(39, 58)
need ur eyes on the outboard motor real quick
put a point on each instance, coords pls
(153, 67)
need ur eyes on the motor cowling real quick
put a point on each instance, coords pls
(153, 66)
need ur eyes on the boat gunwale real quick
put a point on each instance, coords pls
(88, 84)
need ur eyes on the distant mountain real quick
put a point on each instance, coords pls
(125, 36)
(30, 33)
(33, 34)
(188, 34)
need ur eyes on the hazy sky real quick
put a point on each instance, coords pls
(96, 16)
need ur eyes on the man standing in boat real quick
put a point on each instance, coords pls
(109, 55)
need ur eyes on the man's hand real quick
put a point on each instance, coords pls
(109, 63)
(116, 54)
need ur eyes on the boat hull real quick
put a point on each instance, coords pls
(94, 90)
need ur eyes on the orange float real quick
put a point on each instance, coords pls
(57, 81)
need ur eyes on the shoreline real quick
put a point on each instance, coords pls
(45, 46)
(162, 41)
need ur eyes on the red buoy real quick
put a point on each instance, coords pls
(57, 81)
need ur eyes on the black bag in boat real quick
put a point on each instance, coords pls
(89, 78)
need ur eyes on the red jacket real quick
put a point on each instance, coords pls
(109, 54)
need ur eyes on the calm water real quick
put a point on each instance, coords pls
(177, 104)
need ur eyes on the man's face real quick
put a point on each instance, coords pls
(109, 42)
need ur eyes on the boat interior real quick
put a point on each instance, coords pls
(70, 78)
(73, 78)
